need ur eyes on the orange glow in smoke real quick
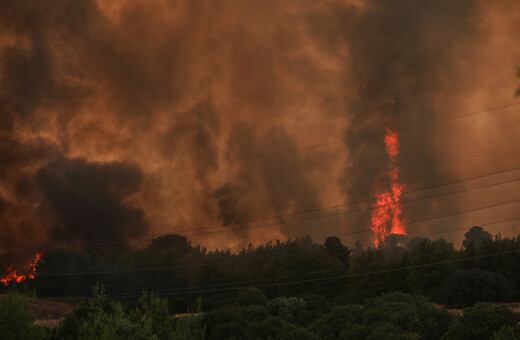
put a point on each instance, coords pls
(386, 216)
(12, 275)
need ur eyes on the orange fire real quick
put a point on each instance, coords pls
(386, 216)
(12, 275)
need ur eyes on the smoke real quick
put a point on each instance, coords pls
(400, 55)
(127, 119)
(88, 200)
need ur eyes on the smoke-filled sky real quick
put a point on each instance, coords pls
(122, 120)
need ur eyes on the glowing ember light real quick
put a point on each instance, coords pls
(12, 275)
(386, 216)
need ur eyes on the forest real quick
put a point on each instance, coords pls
(401, 289)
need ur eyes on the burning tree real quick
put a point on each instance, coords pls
(386, 216)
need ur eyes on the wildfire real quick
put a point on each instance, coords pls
(12, 274)
(386, 216)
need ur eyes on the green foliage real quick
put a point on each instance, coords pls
(253, 313)
(286, 308)
(467, 287)
(101, 318)
(412, 314)
(394, 315)
(268, 328)
(296, 333)
(482, 321)
(331, 325)
(230, 331)
(505, 333)
(319, 303)
(16, 321)
(251, 296)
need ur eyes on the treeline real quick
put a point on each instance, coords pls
(252, 316)
(485, 269)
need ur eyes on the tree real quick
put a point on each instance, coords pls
(16, 322)
(467, 287)
(286, 308)
(171, 241)
(482, 321)
(475, 236)
(338, 250)
(251, 296)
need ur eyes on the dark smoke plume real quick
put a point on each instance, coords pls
(177, 114)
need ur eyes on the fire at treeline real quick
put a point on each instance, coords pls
(125, 120)
(181, 272)
(199, 149)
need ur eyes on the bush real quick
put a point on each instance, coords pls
(268, 329)
(286, 308)
(253, 313)
(482, 321)
(296, 333)
(218, 317)
(413, 314)
(251, 296)
(16, 320)
(307, 317)
(318, 303)
(331, 325)
(505, 333)
(100, 318)
(230, 331)
(467, 287)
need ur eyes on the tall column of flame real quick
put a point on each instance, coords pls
(12, 274)
(386, 216)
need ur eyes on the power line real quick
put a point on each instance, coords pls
(339, 276)
(199, 265)
(115, 241)
(289, 255)
(334, 269)
(188, 292)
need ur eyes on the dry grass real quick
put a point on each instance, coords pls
(514, 306)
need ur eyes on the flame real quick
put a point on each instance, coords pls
(12, 274)
(386, 216)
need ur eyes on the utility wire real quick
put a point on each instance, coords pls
(227, 229)
(188, 292)
(198, 265)
(289, 255)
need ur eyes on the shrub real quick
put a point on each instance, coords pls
(253, 313)
(505, 333)
(296, 333)
(286, 308)
(307, 317)
(16, 320)
(318, 303)
(330, 326)
(482, 321)
(251, 296)
(413, 314)
(467, 287)
(230, 331)
(267, 329)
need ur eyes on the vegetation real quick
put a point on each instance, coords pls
(285, 290)
(16, 321)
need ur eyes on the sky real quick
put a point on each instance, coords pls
(123, 120)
